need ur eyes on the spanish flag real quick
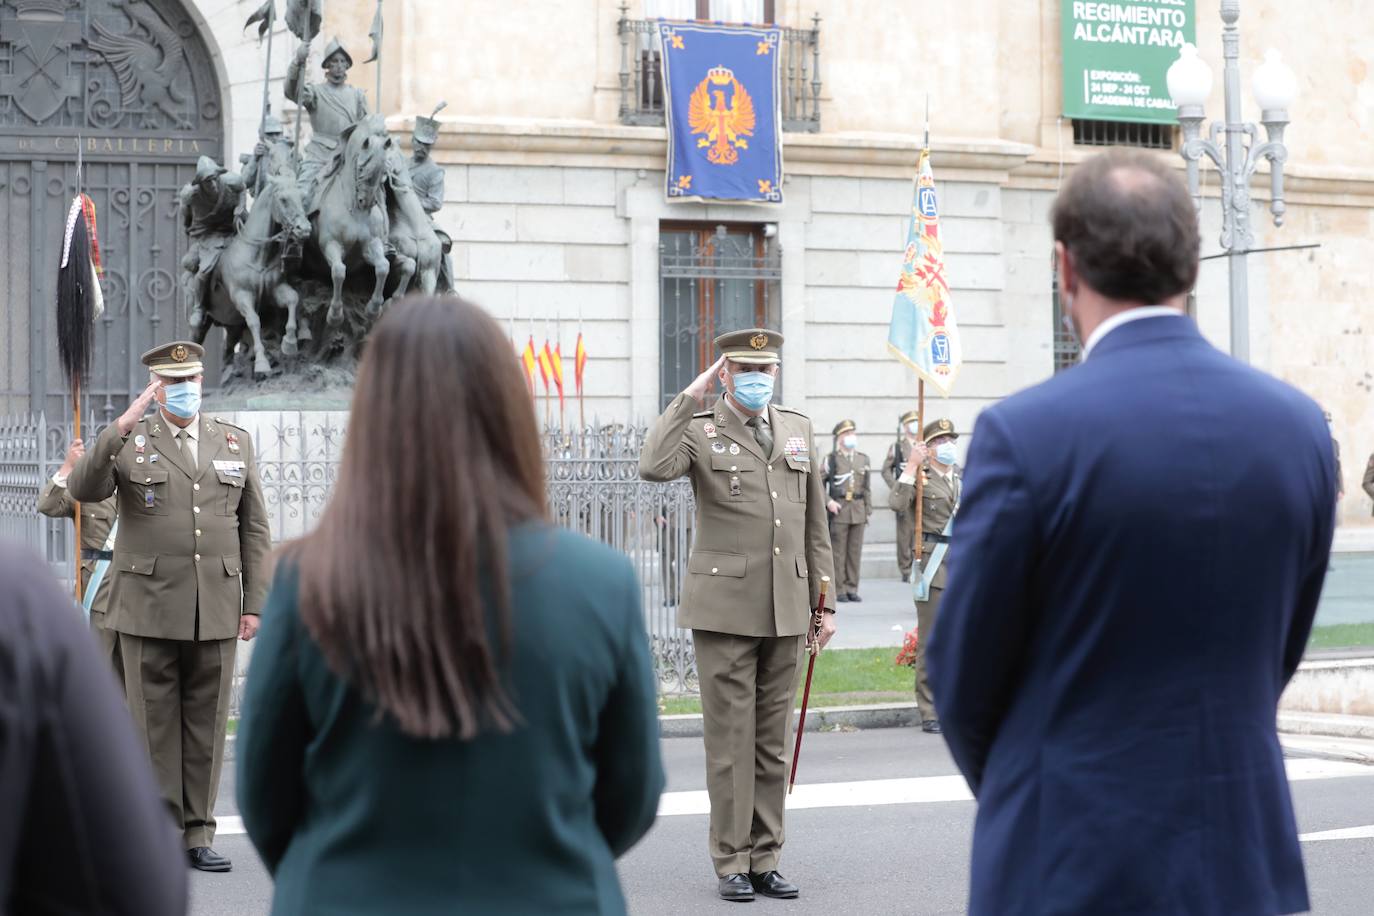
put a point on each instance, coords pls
(579, 363)
(545, 367)
(556, 369)
(527, 357)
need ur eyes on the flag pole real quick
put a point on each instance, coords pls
(919, 537)
(76, 415)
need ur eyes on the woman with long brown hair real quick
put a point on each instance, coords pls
(451, 705)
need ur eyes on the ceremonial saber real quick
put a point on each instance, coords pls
(817, 620)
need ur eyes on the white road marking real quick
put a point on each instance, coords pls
(1345, 833)
(922, 790)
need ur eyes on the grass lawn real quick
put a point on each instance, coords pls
(844, 677)
(1342, 636)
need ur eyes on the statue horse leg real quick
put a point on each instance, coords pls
(338, 272)
(232, 336)
(246, 302)
(375, 253)
(406, 265)
(287, 298)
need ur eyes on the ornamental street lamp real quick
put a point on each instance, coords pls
(1275, 87)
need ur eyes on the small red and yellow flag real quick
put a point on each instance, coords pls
(556, 368)
(527, 357)
(545, 359)
(579, 363)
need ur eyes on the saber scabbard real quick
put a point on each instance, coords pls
(813, 649)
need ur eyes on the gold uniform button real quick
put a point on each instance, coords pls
(195, 486)
(196, 510)
(770, 467)
(778, 522)
(197, 558)
(149, 480)
(714, 570)
(775, 494)
(734, 467)
(197, 532)
(777, 551)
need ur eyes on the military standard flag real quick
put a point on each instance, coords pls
(579, 363)
(923, 333)
(527, 357)
(721, 91)
(556, 369)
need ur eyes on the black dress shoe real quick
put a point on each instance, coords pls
(736, 888)
(854, 596)
(203, 858)
(931, 726)
(906, 577)
(842, 597)
(772, 884)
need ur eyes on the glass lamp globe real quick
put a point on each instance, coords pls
(1189, 78)
(1274, 84)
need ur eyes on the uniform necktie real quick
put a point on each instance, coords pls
(765, 438)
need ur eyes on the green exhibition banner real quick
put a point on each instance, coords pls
(1116, 54)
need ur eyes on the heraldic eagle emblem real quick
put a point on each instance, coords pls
(725, 127)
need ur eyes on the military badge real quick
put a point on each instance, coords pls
(718, 448)
(138, 460)
(709, 429)
(179, 353)
(148, 498)
(734, 448)
(734, 486)
(152, 459)
(232, 441)
(758, 341)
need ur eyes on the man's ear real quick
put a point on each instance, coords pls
(1068, 270)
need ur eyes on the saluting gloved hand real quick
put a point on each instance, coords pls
(702, 384)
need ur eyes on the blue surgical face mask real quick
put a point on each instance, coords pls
(946, 453)
(913, 428)
(849, 441)
(753, 390)
(183, 399)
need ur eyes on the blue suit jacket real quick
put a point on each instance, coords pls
(1140, 550)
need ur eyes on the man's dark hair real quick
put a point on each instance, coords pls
(1130, 225)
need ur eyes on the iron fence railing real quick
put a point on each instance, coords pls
(641, 74)
(593, 485)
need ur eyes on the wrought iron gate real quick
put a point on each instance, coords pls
(712, 279)
(131, 86)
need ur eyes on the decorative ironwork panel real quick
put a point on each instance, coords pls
(712, 281)
(128, 83)
(641, 74)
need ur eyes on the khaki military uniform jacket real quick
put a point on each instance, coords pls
(762, 536)
(941, 497)
(192, 549)
(846, 482)
(96, 520)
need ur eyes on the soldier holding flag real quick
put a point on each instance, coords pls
(333, 106)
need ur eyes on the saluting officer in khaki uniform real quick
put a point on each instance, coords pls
(908, 436)
(96, 520)
(753, 580)
(190, 575)
(935, 461)
(850, 503)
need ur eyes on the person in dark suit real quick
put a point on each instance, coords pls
(452, 705)
(1138, 557)
(82, 827)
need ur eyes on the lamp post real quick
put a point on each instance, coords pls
(1275, 87)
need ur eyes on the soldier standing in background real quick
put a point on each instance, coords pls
(850, 503)
(908, 437)
(190, 576)
(753, 579)
(96, 521)
(934, 459)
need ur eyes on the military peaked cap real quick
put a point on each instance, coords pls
(178, 359)
(911, 416)
(937, 428)
(844, 426)
(752, 346)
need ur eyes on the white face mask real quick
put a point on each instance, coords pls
(913, 428)
(849, 440)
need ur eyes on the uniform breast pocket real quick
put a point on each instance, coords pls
(797, 473)
(151, 496)
(232, 486)
(734, 478)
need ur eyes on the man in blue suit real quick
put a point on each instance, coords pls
(1140, 549)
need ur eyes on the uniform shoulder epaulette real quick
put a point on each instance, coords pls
(223, 422)
(791, 410)
(703, 413)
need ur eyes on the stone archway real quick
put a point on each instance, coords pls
(130, 84)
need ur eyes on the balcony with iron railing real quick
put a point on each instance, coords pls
(641, 74)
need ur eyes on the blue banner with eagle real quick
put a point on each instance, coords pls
(721, 92)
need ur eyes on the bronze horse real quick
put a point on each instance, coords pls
(249, 272)
(350, 219)
(416, 249)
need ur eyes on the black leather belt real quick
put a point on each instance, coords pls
(935, 538)
(88, 553)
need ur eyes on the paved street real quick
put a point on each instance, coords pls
(880, 823)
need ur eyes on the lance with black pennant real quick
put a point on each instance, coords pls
(79, 304)
(303, 19)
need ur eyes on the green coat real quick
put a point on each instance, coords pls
(353, 817)
(192, 549)
(941, 500)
